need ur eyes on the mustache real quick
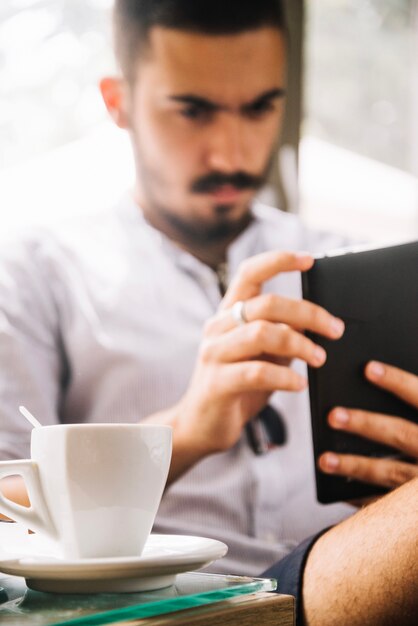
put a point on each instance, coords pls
(239, 180)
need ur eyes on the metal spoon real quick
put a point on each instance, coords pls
(31, 418)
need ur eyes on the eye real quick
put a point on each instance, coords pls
(196, 112)
(260, 109)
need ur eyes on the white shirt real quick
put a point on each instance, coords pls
(100, 321)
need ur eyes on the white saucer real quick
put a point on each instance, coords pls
(164, 556)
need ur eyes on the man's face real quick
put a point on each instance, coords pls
(204, 114)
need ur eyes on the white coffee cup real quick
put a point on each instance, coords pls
(94, 488)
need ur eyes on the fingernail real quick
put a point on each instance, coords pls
(330, 461)
(340, 417)
(337, 327)
(319, 355)
(376, 370)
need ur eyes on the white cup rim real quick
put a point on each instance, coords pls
(106, 425)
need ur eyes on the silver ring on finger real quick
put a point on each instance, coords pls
(238, 313)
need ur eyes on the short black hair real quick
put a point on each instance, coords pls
(134, 19)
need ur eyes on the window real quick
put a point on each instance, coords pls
(59, 153)
(359, 155)
(51, 55)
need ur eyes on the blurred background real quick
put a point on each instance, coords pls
(348, 163)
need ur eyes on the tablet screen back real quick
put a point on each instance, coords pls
(375, 292)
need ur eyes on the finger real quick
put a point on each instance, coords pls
(382, 472)
(300, 314)
(397, 381)
(250, 376)
(255, 271)
(263, 338)
(392, 431)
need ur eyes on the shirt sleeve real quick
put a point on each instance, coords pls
(30, 355)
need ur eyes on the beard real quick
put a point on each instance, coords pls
(201, 231)
(187, 224)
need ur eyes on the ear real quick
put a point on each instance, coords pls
(114, 96)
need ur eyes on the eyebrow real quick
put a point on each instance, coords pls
(209, 105)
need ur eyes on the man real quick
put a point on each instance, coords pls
(103, 320)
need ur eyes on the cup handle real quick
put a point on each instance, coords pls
(37, 516)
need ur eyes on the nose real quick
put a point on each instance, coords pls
(225, 152)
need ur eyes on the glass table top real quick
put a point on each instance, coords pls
(20, 606)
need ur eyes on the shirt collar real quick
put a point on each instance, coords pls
(244, 246)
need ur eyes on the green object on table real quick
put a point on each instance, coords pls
(24, 607)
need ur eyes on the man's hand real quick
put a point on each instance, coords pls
(398, 433)
(240, 365)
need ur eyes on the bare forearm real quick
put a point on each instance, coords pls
(186, 451)
(365, 570)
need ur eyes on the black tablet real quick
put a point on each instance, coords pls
(375, 292)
